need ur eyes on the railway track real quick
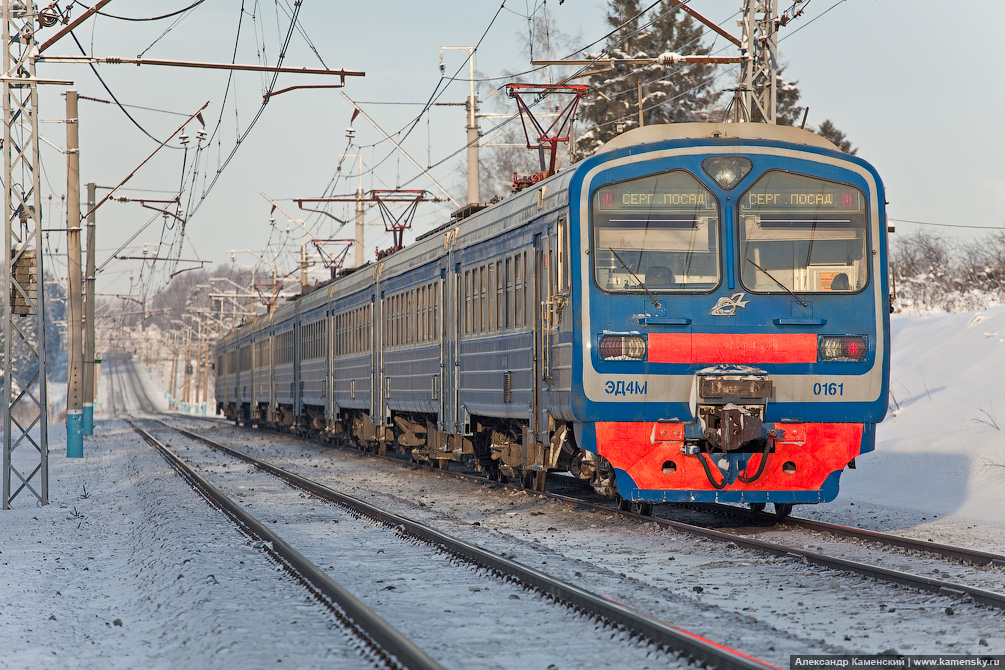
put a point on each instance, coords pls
(939, 586)
(781, 568)
(377, 643)
(949, 552)
(621, 620)
(382, 639)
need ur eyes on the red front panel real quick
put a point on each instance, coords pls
(642, 448)
(732, 348)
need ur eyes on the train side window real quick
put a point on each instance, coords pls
(430, 319)
(399, 314)
(467, 302)
(490, 290)
(410, 329)
(500, 298)
(422, 314)
(519, 278)
(476, 301)
(508, 292)
(563, 255)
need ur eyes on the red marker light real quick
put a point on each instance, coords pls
(848, 200)
(854, 348)
(606, 200)
(842, 348)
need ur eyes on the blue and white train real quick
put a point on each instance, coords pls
(698, 312)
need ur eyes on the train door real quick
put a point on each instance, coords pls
(449, 419)
(328, 388)
(297, 383)
(543, 292)
(273, 357)
(377, 392)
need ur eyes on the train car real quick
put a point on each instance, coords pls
(226, 374)
(698, 312)
(262, 383)
(312, 377)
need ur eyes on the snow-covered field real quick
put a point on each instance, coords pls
(105, 576)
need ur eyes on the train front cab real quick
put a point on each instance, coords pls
(734, 340)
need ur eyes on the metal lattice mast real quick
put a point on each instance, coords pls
(25, 434)
(758, 90)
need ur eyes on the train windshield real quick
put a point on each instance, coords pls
(661, 231)
(803, 234)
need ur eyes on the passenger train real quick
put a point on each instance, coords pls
(698, 312)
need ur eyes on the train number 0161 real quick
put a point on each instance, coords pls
(828, 389)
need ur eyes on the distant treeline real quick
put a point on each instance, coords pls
(931, 272)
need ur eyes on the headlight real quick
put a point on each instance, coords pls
(623, 347)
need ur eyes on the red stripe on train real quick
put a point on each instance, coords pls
(734, 348)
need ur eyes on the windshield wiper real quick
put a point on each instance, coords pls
(644, 287)
(787, 289)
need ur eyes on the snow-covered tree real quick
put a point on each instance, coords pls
(788, 112)
(829, 131)
(674, 93)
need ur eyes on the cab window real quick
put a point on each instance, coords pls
(660, 231)
(803, 234)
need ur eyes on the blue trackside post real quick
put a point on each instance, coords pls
(75, 433)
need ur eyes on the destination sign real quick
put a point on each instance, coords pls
(622, 199)
(844, 201)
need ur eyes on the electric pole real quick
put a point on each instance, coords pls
(474, 196)
(75, 348)
(89, 385)
(25, 414)
(758, 88)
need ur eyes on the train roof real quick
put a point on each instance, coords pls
(702, 131)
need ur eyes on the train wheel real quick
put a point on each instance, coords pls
(643, 508)
(442, 464)
(623, 505)
(757, 507)
(782, 510)
(494, 474)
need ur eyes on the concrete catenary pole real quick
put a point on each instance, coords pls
(187, 390)
(474, 193)
(90, 387)
(359, 217)
(74, 326)
(205, 376)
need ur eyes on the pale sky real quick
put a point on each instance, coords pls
(915, 84)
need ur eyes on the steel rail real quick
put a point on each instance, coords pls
(664, 635)
(385, 640)
(972, 556)
(936, 586)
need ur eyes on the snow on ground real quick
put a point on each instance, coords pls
(939, 464)
(103, 577)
